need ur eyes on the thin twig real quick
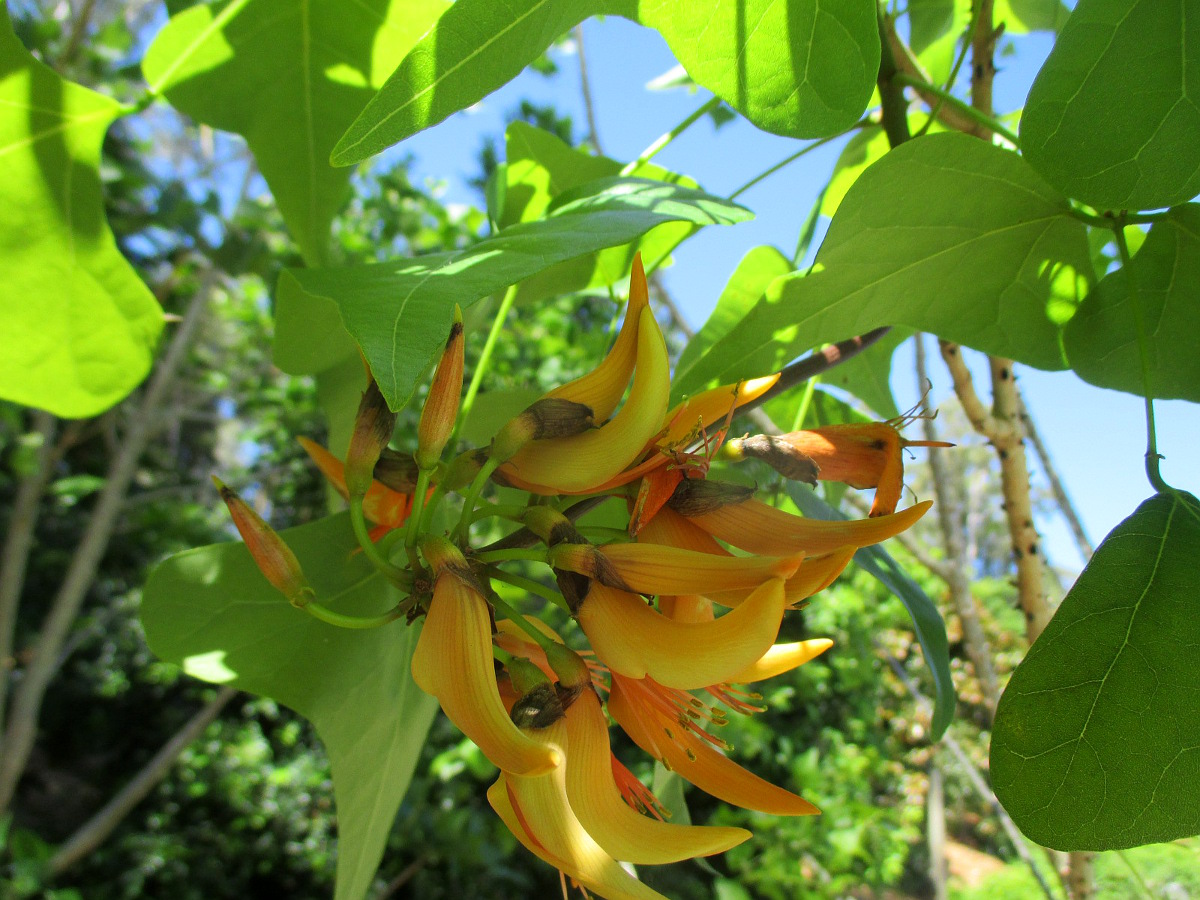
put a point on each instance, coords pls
(586, 87)
(21, 732)
(96, 830)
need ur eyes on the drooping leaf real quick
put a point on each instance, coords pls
(1095, 744)
(867, 375)
(944, 234)
(758, 268)
(799, 68)
(399, 312)
(1102, 340)
(1112, 118)
(289, 79)
(79, 327)
(927, 621)
(212, 612)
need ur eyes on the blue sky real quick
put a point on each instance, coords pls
(1096, 437)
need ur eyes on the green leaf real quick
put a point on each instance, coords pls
(290, 80)
(1102, 340)
(399, 312)
(212, 612)
(1022, 16)
(1112, 118)
(79, 327)
(868, 375)
(1001, 272)
(799, 68)
(1095, 740)
(861, 152)
(927, 621)
(935, 29)
(758, 268)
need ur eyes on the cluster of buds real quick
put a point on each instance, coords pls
(678, 614)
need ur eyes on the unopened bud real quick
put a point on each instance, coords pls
(397, 471)
(525, 675)
(273, 557)
(572, 671)
(441, 406)
(442, 555)
(373, 427)
(550, 417)
(776, 453)
(586, 560)
(697, 496)
(551, 526)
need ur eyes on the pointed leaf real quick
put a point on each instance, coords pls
(800, 68)
(1000, 271)
(78, 325)
(1102, 340)
(212, 612)
(927, 621)
(1096, 744)
(1112, 118)
(288, 79)
(400, 311)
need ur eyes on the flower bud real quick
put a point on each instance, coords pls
(373, 427)
(273, 557)
(697, 496)
(525, 675)
(551, 526)
(777, 453)
(549, 417)
(539, 708)
(462, 470)
(572, 671)
(396, 470)
(441, 406)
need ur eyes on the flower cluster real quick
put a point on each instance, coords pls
(678, 614)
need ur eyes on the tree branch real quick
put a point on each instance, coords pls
(21, 732)
(96, 830)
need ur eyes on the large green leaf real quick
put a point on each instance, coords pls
(757, 269)
(944, 234)
(1112, 118)
(212, 612)
(800, 68)
(1096, 744)
(78, 325)
(289, 78)
(1102, 340)
(400, 311)
(927, 621)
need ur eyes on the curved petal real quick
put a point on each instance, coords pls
(604, 386)
(710, 407)
(758, 528)
(539, 807)
(696, 760)
(673, 530)
(635, 640)
(686, 607)
(381, 505)
(782, 658)
(596, 800)
(453, 662)
(580, 462)
(815, 574)
(659, 569)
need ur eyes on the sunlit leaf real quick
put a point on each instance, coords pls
(1021, 16)
(945, 234)
(210, 611)
(799, 68)
(1102, 340)
(79, 327)
(400, 311)
(1112, 118)
(289, 79)
(1096, 744)
(867, 375)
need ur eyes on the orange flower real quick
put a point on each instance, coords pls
(385, 507)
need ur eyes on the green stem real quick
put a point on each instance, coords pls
(519, 620)
(810, 389)
(485, 356)
(481, 478)
(534, 554)
(502, 656)
(317, 611)
(1152, 455)
(528, 584)
(650, 152)
(965, 108)
(862, 123)
(427, 514)
(514, 511)
(396, 575)
(413, 531)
